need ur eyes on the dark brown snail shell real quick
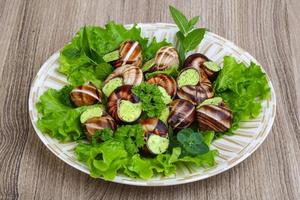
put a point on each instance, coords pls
(130, 53)
(99, 123)
(153, 126)
(182, 114)
(196, 60)
(165, 81)
(130, 74)
(214, 117)
(165, 57)
(121, 93)
(196, 94)
(85, 95)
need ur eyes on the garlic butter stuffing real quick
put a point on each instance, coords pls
(140, 107)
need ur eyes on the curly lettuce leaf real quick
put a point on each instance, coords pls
(103, 160)
(81, 59)
(59, 118)
(242, 88)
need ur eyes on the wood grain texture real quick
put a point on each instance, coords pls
(30, 31)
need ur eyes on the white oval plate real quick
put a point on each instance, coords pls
(232, 149)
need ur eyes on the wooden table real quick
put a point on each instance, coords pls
(30, 31)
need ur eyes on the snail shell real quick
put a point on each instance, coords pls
(214, 117)
(182, 114)
(196, 61)
(85, 95)
(196, 94)
(130, 53)
(165, 81)
(154, 126)
(165, 57)
(121, 93)
(99, 123)
(130, 74)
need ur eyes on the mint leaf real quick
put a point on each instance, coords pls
(188, 38)
(193, 22)
(192, 142)
(192, 40)
(180, 20)
(181, 49)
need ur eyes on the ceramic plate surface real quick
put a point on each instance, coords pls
(232, 149)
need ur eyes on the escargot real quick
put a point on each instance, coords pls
(85, 95)
(214, 115)
(193, 85)
(99, 123)
(202, 63)
(129, 52)
(182, 114)
(96, 119)
(165, 57)
(123, 105)
(124, 75)
(166, 82)
(155, 136)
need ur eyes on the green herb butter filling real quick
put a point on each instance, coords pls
(212, 66)
(128, 111)
(165, 96)
(111, 85)
(91, 113)
(157, 144)
(212, 101)
(188, 77)
(164, 115)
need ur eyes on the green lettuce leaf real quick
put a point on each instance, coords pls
(59, 118)
(103, 160)
(242, 88)
(81, 59)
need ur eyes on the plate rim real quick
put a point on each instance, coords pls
(138, 182)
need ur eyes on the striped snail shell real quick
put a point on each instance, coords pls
(130, 52)
(121, 93)
(130, 74)
(196, 93)
(214, 117)
(85, 95)
(165, 57)
(165, 81)
(182, 114)
(99, 123)
(197, 61)
(154, 126)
